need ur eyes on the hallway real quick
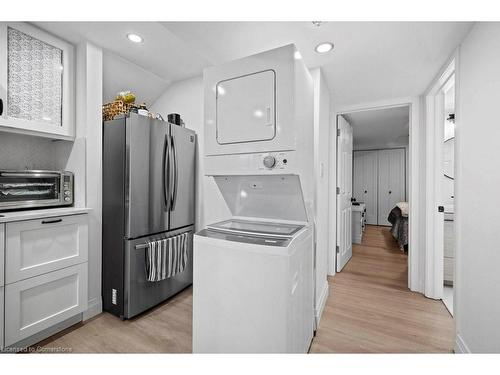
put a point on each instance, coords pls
(371, 310)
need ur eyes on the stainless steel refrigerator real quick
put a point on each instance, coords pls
(148, 194)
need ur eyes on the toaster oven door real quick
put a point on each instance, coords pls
(29, 189)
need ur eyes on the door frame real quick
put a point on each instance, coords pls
(338, 189)
(415, 257)
(434, 229)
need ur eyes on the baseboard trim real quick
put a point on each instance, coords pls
(321, 303)
(94, 307)
(40, 336)
(460, 345)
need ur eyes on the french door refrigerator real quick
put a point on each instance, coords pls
(148, 194)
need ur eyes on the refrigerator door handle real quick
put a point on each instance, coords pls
(166, 172)
(175, 174)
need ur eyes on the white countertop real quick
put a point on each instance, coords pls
(6, 217)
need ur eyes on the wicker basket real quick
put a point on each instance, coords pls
(115, 108)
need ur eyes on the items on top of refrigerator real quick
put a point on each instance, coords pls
(124, 103)
(115, 108)
(126, 96)
(175, 118)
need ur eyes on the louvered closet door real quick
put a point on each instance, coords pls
(391, 182)
(365, 182)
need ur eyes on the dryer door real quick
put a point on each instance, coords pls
(246, 108)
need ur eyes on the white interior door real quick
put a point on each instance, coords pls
(365, 182)
(344, 193)
(391, 182)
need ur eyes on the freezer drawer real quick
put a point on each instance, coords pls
(38, 303)
(141, 294)
(35, 247)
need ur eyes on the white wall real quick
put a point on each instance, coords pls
(321, 173)
(186, 98)
(477, 303)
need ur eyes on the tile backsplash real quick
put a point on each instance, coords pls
(26, 152)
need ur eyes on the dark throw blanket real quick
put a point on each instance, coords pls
(399, 228)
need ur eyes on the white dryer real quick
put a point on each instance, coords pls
(259, 116)
(253, 273)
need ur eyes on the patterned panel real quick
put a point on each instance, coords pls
(34, 79)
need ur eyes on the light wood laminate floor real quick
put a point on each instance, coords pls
(369, 310)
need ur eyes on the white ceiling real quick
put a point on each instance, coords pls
(371, 60)
(380, 128)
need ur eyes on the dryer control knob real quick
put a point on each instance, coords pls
(269, 161)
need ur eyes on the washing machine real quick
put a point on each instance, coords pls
(253, 272)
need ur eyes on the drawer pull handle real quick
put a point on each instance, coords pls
(51, 221)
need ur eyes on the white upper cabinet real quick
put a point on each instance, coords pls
(36, 82)
(246, 108)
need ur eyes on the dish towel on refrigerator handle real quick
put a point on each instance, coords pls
(166, 257)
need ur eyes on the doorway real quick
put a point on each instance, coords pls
(406, 140)
(440, 193)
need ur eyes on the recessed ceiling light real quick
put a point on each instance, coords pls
(135, 38)
(324, 47)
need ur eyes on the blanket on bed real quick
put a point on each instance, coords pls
(399, 228)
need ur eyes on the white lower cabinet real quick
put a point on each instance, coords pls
(358, 218)
(449, 253)
(1, 316)
(35, 247)
(37, 303)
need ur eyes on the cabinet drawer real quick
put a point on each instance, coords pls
(35, 247)
(2, 254)
(1, 316)
(448, 239)
(448, 269)
(40, 302)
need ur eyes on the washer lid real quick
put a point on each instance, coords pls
(277, 197)
(248, 239)
(256, 228)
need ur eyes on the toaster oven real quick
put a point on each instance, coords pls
(35, 189)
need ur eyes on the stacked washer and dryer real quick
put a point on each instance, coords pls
(253, 272)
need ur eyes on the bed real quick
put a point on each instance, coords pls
(398, 217)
